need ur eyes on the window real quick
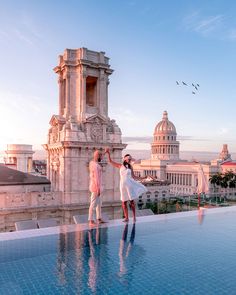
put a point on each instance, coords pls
(163, 193)
(91, 91)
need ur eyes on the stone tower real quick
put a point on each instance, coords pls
(81, 126)
(225, 155)
(19, 157)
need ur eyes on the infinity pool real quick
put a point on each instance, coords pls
(187, 253)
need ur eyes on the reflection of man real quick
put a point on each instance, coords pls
(95, 187)
(125, 248)
(93, 262)
(61, 261)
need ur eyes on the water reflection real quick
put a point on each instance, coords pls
(130, 256)
(79, 258)
(93, 239)
(125, 248)
(201, 215)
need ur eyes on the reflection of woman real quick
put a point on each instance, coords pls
(61, 262)
(130, 189)
(125, 248)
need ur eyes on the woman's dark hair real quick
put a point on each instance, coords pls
(127, 165)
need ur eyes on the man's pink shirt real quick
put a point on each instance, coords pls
(95, 173)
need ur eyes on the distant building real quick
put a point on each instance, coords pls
(14, 181)
(166, 165)
(19, 157)
(24, 196)
(157, 190)
(228, 166)
(40, 167)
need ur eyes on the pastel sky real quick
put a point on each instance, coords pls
(151, 45)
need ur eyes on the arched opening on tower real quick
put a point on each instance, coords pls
(91, 91)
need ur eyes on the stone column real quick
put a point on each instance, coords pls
(73, 92)
(61, 107)
(67, 98)
(83, 92)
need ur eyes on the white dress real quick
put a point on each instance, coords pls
(129, 188)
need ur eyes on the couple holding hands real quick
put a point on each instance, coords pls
(130, 188)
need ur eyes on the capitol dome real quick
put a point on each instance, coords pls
(165, 146)
(165, 126)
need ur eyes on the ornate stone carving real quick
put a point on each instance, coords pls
(97, 131)
(55, 163)
(60, 79)
(110, 128)
(54, 133)
(72, 54)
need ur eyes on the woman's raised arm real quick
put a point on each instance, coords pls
(113, 163)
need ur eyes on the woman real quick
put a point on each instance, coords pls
(129, 188)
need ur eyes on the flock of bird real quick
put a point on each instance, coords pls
(195, 86)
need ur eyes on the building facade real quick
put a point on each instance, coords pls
(19, 157)
(81, 126)
(165, 164)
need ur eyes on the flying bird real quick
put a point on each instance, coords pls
(193, 85)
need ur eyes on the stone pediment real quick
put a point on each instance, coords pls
(98, 119)
(56, 120)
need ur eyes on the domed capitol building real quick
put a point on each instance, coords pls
(166, 165)
(165, 146)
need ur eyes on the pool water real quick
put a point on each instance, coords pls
(186, 255)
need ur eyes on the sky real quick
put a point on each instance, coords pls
(151, 45)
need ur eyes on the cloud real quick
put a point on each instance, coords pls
(134, 139)
(218, 25)
(203, 24)
(224, 130)
(23, 29)
(149, 139)
(21, 36)
(126, 119)
(209, 24)
(23, 119)
(181, 138)
(125, 114)
(232, 35)
(21, 103)
(4, 36)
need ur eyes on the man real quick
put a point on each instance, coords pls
(95, 187)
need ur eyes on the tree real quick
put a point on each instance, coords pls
(226, 180)
(216, 179)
